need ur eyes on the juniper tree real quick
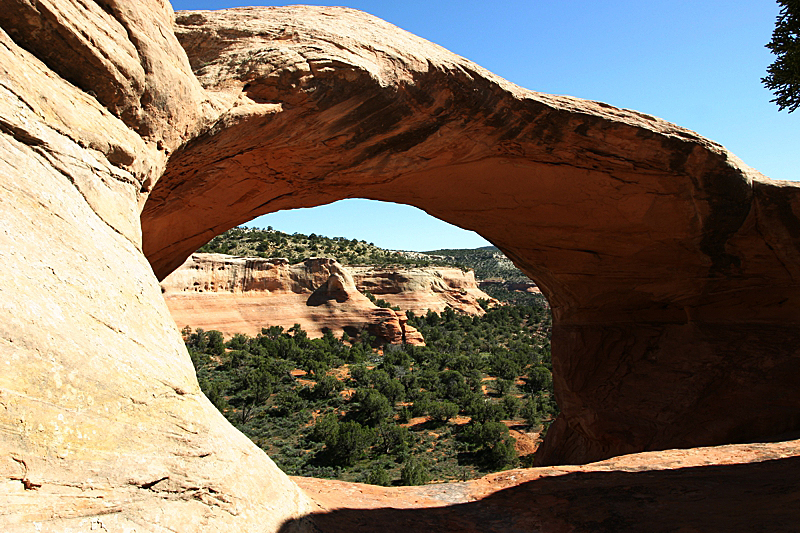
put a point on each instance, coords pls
(783, 77)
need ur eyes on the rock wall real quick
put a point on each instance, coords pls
(671, 267)
(243, 295)
(422, 289)
(102, 424)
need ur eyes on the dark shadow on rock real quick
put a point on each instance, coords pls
(718, 498)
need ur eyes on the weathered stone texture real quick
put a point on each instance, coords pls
(102, 423)
(242, 295)
(671, 267)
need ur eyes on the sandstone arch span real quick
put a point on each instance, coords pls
(672, 268)
(650, 242)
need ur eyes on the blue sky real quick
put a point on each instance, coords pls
(697, 63)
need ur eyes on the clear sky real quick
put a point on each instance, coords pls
(696, 63)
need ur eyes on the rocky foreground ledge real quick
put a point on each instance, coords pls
(746, 487)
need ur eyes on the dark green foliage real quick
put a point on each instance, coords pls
(267, 243)
(392, 439)
(372, 408)
(327, 387)
(783, 76)
(414, 472)
(379, 476)
(487, 262)
(491, 443)
(351, 442)
(311, 427)
(441, 412)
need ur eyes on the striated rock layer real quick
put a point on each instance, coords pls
(423, 289)
(671, 267)
(242, 295)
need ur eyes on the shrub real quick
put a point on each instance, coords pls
(414, 472)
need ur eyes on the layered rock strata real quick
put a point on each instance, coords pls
(420, 290)
(671, 267)
(242, 295)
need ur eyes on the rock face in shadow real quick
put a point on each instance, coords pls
(242, 295)
(671, 267)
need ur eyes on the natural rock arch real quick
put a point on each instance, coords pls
(671, 267)
(650, 242)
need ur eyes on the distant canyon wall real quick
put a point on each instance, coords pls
(242, 295)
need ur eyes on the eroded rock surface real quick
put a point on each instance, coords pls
(102, 424)
(242, 295)
(671, 267)
(717, 489)
(423, 289)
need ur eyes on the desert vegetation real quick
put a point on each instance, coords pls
(296, 247)
(351, 409)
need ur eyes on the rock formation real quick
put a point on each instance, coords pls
(242, 295)
(720, 489)
(671, 267)
(422, 289)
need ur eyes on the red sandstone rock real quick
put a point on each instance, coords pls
(671, 266)
(721, 489)
(242, 295)
(666, 260)
(422, 289)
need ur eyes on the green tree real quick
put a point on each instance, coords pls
(373, 406)
(379, 476)
(391, 438)
(511, 406)
(530, 412)
(783, 75)
(352, 441)
(441, 412)
(327, 387)
(414, 472)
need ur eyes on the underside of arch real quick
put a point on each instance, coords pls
(650, 242)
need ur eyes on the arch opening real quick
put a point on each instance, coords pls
(458, 366)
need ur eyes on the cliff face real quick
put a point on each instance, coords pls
(242, 295)
(672, 268)
(423, 289)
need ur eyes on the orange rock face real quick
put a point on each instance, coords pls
(243, 295)
(704, 489)
(671, 267)
(422, 289)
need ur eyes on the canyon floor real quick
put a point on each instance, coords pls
(732, 488)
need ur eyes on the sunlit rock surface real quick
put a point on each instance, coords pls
(245, 294)
(670, 266)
